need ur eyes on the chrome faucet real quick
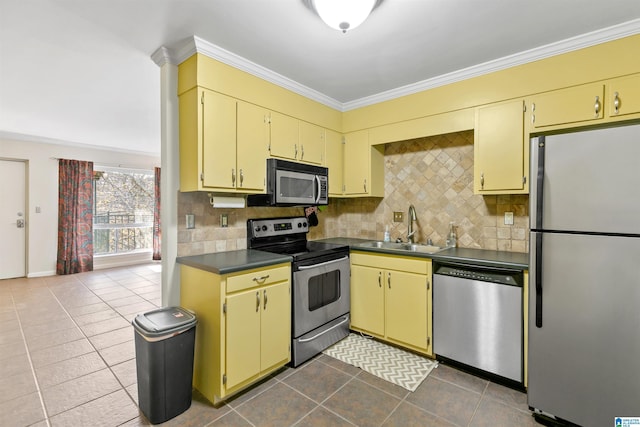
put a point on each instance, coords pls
(412, 218)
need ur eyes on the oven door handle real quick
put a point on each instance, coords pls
(346, 319)
(322, 264)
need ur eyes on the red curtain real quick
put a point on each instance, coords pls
(75, 217)
(157, 232)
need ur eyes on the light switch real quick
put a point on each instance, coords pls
(190, 221)
(38, 209)
(398, 216)
(508, 218)
(224, 220)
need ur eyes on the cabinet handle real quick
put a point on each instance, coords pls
(533, 113)
(380, 279)
(265, 299)
(389, 280)
(257, 301)
(596, 106)
(365, 185)
(295, 151)
(301, 151)
(241, 177)
(616, 103)
(233, 177)
(261, 279)
(481, 180)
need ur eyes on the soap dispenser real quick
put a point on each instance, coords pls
(387, 236)
(452, 238)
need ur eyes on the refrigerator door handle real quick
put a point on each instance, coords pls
(536, 262)
(536, 190)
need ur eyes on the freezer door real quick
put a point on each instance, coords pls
(584, 360)
(586, 181)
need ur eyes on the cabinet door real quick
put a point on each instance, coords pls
(312, 143)
(577, 104)
(218, 140)
(243, 336)
(252, 142)
(367, 299)
(406, 308)
(334, 161)
(499, 148)
(356, 168)
(624, 96)
(284, 136)
(275, 325)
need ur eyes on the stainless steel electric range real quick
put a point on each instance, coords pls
(320, 283)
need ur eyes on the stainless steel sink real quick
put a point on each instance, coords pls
(402, 247)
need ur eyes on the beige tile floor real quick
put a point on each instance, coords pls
(67, 358)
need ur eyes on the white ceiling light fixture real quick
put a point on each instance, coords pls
(344, 15)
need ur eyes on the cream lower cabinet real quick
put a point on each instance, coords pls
(243, 330)
(391, 299)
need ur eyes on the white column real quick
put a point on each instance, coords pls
(170, 178)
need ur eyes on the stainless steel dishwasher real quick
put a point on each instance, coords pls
(478, 318)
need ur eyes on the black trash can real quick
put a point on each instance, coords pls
(164, 342)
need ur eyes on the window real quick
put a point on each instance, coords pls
(123, 210)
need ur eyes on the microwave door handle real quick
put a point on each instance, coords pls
(317, 188)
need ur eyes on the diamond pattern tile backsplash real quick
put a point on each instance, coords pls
(435, 174)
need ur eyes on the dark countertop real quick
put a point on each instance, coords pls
(233, 261)
(515, 260)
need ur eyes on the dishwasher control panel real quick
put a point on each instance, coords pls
(505, 277)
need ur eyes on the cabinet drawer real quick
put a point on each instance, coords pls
(258, 277)
(389, 262)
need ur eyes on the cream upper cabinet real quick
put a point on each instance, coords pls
(284, 136)
(363, 166)
(244, 326)
(583, 103)
(624, 96)
(252, 143)
(213, 150)
(312, 143)
(500, 149)
(391, 299)
(334, 161)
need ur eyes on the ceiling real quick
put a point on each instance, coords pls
(80, 71)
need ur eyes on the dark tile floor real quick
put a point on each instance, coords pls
(67, 358)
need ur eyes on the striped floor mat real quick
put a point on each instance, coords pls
(397, 366)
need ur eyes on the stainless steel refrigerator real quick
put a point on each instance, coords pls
(584, 298)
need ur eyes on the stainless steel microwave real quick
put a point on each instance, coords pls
(293, 184)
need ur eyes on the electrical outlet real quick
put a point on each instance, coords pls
(398, 216)
(224, 220)
(508, 218)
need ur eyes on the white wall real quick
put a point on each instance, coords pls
(42, 189)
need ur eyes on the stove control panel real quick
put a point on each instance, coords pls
(268, 227)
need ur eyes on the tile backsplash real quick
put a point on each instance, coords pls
(435, 174)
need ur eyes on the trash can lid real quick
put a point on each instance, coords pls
(168, 320)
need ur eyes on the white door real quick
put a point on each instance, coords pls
(12, 219)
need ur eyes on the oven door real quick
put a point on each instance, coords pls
(320, 294)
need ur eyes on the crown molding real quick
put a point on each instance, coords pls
(163, 56)
(23, 137)
(564, 46)
(195, 44)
